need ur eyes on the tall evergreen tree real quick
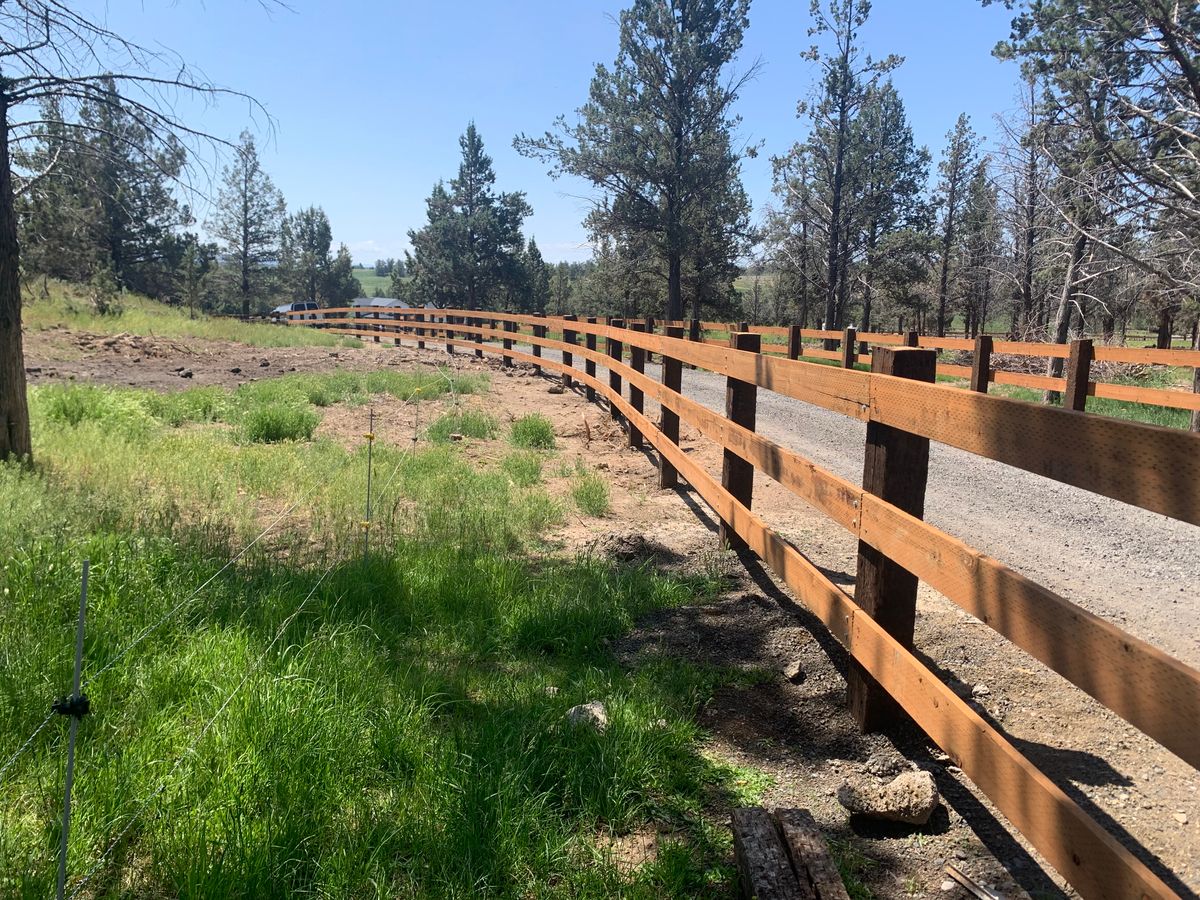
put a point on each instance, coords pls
(305, 239)
(537, 279)
(958, 162)
(338, 284)
(655, 136)
(469, 250)
(248, 220)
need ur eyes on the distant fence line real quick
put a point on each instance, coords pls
(1154, 468)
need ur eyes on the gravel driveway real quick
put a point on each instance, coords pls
(1133, 567)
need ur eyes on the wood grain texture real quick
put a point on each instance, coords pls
(764, 870)
(809, 853)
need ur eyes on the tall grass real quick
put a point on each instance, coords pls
(401, 737)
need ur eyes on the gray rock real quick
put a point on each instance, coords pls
(980, 690)
(555, 389)
(794, 672)
(885, 764)
(910, 797)
(592, 715)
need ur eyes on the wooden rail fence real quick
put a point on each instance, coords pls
(1154, 468)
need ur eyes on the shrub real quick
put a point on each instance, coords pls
(523, 467)
(470, 423)
(590, 493)
(275, 422)
(533, 432)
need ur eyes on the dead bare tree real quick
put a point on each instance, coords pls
(52, 53)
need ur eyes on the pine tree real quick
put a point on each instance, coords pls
(248, 221)
(469, 250)
(655, 138)
(338, 284)
(304, 259)
(537, 279)
(958, 162)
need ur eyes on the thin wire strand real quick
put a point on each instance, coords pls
(191, 749)
(25, 746)
(149, 629)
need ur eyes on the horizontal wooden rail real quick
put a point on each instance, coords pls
(1085, 854)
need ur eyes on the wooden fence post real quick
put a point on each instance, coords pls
(794, 345)
(589, 364)
(448, 321)
(637, 362)
(509, 327)
(741, 403)
(420, 332)
(981, 366)
(616, 351)
(1079, 367)
(477, 322)
(895, 469)
(539, 331)
(849, 347)
(672, 379)
(695, 332)
(567, 357)
(649, 330)
(912, 339)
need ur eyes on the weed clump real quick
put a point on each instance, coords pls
(590, 492)
(533, 432)
(523, 467)
(273, 423)
(470, 423)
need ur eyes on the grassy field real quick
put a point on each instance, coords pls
(303, 720)
(370, 281)
(68, 305)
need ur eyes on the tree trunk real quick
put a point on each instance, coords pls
(1163, 341)
(1196, 375)
(1062, 321)
(15, 440)
(675, 286)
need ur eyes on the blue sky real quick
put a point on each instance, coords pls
(369, 98)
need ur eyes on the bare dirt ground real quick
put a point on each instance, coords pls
(796, 729)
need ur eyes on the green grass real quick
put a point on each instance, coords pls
(523, 467)
(470, 423)
(590, 492)
(380, 727)
(533, 432)
(277, 422)
(370, 281)
(68, 305)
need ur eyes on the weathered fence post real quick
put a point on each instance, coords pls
(1079, 367)
(637, 362)
(895, 468)
(449, 320)
(420, 332)
(848, 348)
(912, 339)
(981, 365)
(539, 331)
(672, 379)
(616, 351)
(568, 358)
(741, 403)
(695, 332)
(509, 327)
(589, 364)
(794, 345)
(649, 330)
(477, 322)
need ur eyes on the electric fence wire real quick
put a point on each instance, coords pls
(191, 749)
(154, 626)
(150, 629)
(250, 672)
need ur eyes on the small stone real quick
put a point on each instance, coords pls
(885, 764)
(980, 690)
(1181, 818)
(948, 885)
(551, 690)
(592, 714)
(263, 363)
(794, 672)
(910, 797)
(455, 436)
(960, 854)
(555, 389)
(236, 370)
(186, 373)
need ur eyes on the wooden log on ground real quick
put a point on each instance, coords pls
(809, 853)
(764, 870)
